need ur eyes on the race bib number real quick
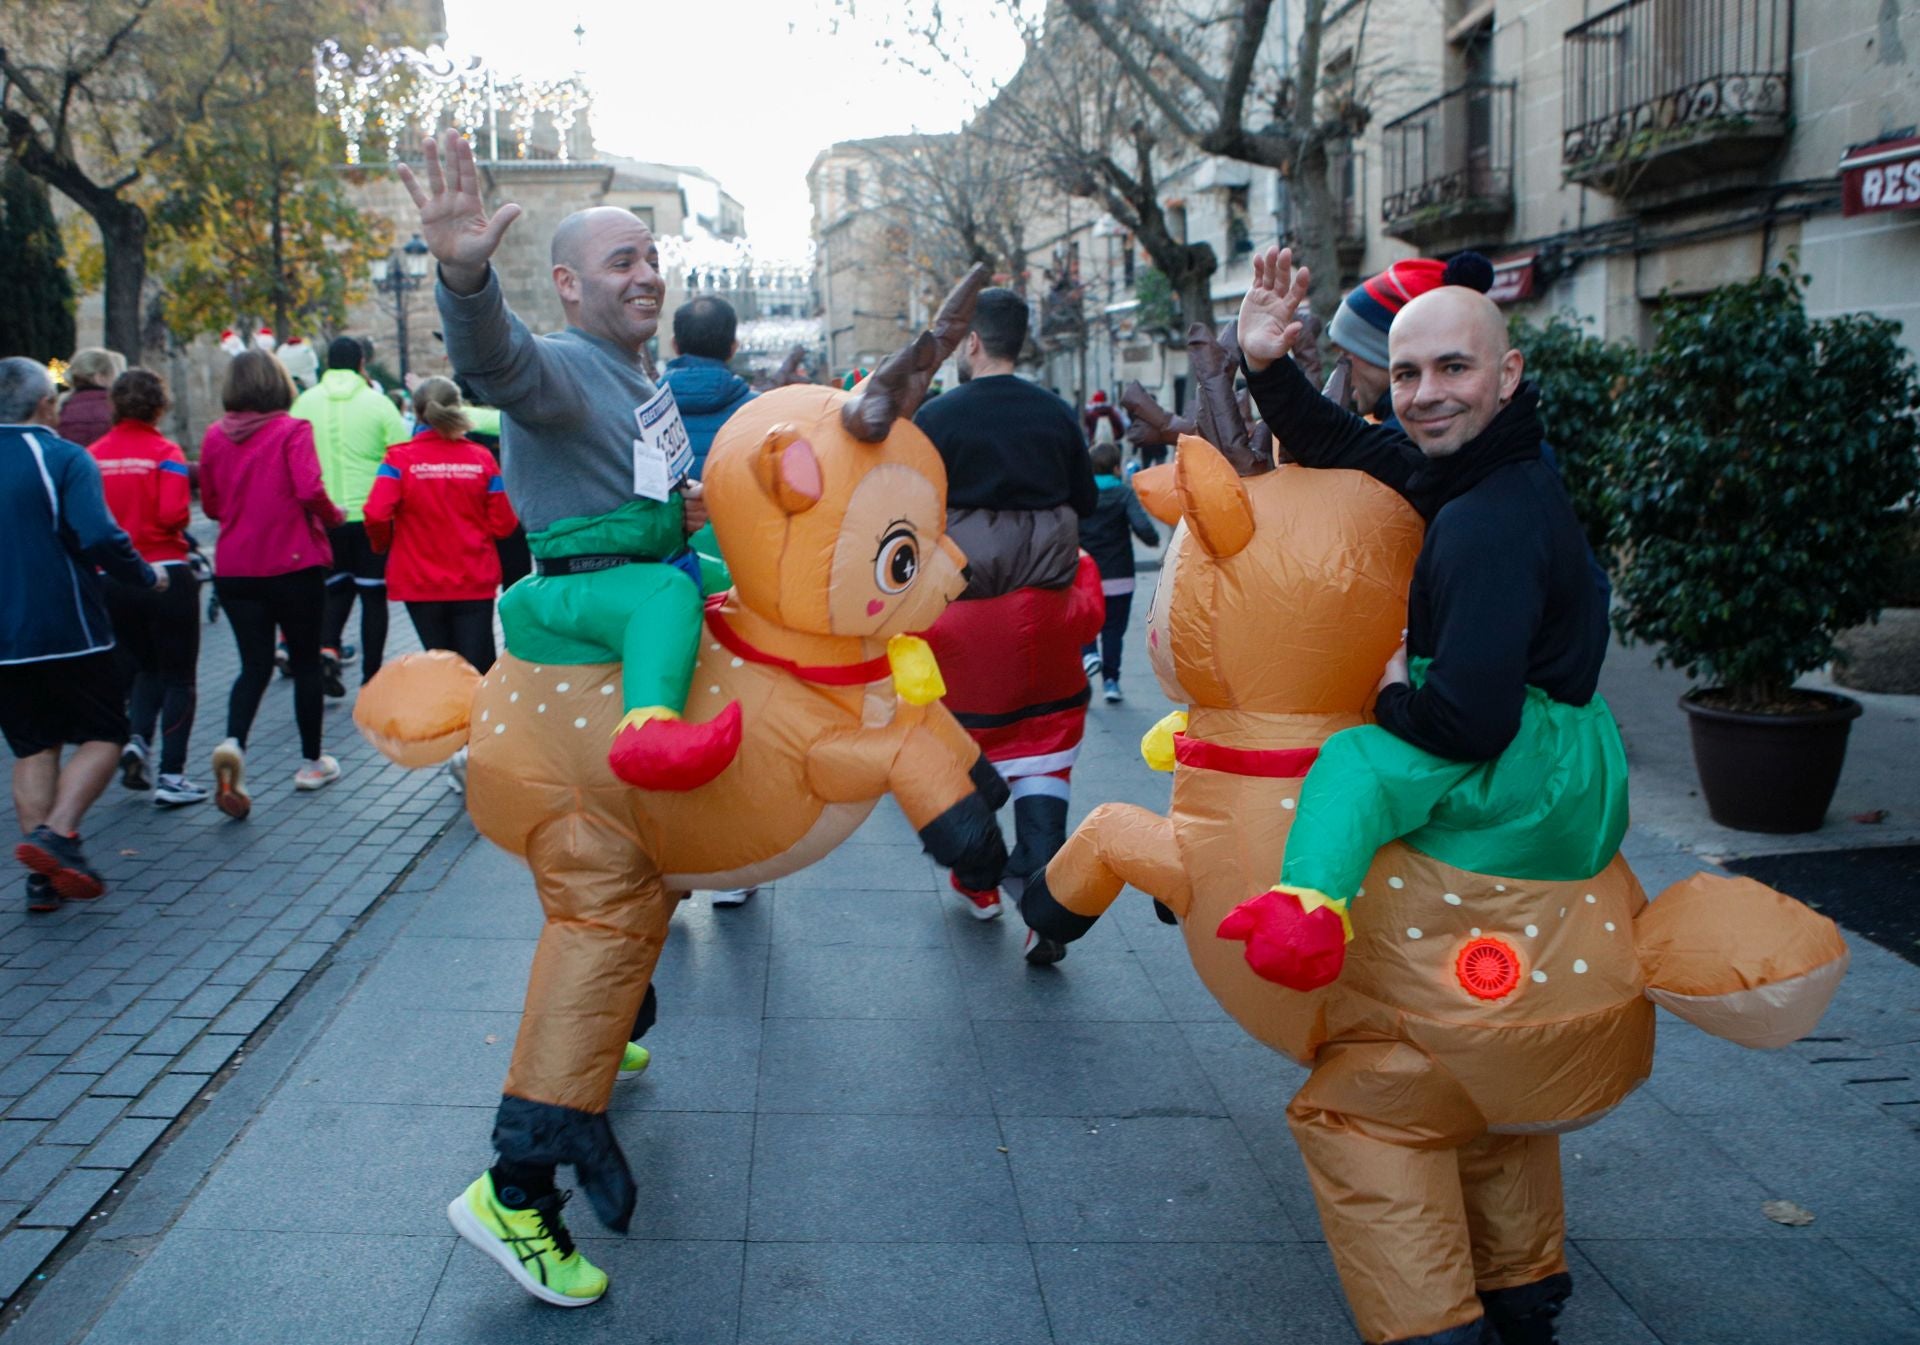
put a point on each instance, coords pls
(663, 454)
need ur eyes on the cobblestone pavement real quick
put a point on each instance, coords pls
(117, 1015)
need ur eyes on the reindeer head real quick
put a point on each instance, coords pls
(831, 508)
(1284, 590)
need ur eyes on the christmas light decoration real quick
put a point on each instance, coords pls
(385, 97)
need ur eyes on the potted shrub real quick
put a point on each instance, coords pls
(1580, 378)
(1763, 458)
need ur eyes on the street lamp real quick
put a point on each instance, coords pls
(395, 278)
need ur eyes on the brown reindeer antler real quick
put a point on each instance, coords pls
(789, 371)
(1148, 423)
(896, 389)
(1214, 360)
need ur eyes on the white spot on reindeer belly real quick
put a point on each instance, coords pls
(1540, 976)
(1591, 899)
(541, 708)
(607, 689)
(1451, 898)
(1413, 933)
(1579, 966)
(564, 687)
(513, 697)
(1287, 804)
(580, 723)
(739, 663)
(1609, 926)
(1533, 931)
(499, 728)
(1396, 883)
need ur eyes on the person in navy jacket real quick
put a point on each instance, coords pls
(58, 682)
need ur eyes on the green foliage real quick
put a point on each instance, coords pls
(36, 318)
(1581, 378)
(1155, 293)
(1763, 457)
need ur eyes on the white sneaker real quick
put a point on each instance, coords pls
(133, 765)
(456, 772)
(175, 791)
(1091, 663)
(229, 781)
(317, 774)
(734, 896)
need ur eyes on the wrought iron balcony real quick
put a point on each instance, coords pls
(1449, 166)
(1667, 99)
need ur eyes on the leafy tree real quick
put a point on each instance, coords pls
(1581, 378)
(37, 317)
(1764, 457)
(100, 95)
(256, 223)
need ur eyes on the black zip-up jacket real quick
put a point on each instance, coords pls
(1503, 594)
(1104, 532)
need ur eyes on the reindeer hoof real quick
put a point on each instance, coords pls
(1300, 945)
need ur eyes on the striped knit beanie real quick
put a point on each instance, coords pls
(1360, 324)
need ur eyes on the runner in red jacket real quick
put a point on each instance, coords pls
(157, 632)
(437, 505)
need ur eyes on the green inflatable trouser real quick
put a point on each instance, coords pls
(645, 616)
(1552, 807)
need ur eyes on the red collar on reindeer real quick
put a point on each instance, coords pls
(1273, 763)
(830, 674)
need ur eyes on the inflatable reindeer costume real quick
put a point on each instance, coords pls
(1482, 1009)
(831, 508)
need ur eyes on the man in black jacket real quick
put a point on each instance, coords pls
(1503, 595)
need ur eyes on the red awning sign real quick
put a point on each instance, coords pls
(1512, 279)
(1883, 176)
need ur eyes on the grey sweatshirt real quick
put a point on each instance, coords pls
(566, 402)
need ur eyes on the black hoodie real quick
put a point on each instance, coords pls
(1503, 594)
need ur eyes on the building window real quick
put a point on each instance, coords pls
(1239, 225)
(853, 187)
(643, 213)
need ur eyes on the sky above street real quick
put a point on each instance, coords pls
(749, 90)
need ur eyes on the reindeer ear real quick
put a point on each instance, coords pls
(787, 470)
(1212, 498)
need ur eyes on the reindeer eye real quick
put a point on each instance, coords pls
(898, 563)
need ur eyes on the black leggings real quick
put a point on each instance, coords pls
(158, 639)
(297, 604)
(465, 626)
(1119, 608)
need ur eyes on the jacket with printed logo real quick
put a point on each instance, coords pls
(438, 504)
(55, 528)
(352, 425)
(144, 475)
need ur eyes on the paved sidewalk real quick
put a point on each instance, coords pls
(869, 1120)
(117, 1016)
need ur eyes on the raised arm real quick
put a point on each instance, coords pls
(1314, 431)
(485, 341)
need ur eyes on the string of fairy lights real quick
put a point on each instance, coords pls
(386, 97)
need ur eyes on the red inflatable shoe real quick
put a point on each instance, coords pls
(1294, 937)
(655, 749)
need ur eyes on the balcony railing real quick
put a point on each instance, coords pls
(1665, 95)
(1449, 165)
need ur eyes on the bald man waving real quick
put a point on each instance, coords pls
(1491, 750)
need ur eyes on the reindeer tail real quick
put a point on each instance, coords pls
(417, 708)
(1739, 960)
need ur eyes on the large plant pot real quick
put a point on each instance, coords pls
(1771, 773)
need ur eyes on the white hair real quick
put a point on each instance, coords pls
(24, 384)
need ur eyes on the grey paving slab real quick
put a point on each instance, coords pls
(703, 1306)
(807, 981)
(170, 1096)
(1219, 1293)
(1158, 1179)
(927, 1294)
(822, 1178)
(21, 1252)
(67, 1203)
(123, 1145)
(1895, 1262)
(1741, 1291)
(131, 1076)
(427, 1057)
(871, 1066)
(702, 1062)
(296, 1148)
(86, 1121)
(691, 1170)
(208, 1288)
(451, 974)
(1608, 1168)
(702, 976)
(1860, 1175)
(858, 864)
(1107, 986)
(37, 1168)
(861, 917)
(52, 1097)
(1093, 1069)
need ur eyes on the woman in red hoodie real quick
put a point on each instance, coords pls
(144, 476)
(438, 505)
(260, 479)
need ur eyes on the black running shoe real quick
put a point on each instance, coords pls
(60, 860)
(330, 674)
(40, 894)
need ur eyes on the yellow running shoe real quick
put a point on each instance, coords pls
(634, 1063)
(531, 1244)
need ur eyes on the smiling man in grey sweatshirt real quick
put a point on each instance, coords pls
(594, 456)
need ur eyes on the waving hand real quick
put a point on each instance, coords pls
(1268, 324)
(453, 219)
